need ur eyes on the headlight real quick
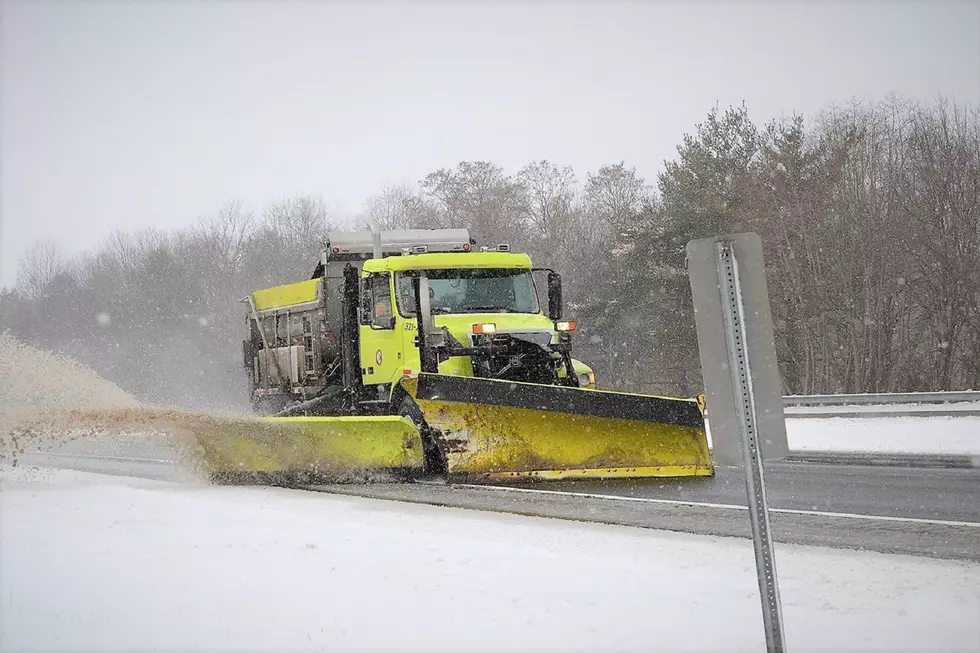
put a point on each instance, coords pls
(585, 379)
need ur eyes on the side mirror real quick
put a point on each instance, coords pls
(554, 296)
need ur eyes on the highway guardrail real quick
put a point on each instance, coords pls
(884, 398)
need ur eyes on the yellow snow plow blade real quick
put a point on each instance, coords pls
(293, 449)
(495, 430)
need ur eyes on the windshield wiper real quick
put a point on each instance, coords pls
(489, 309)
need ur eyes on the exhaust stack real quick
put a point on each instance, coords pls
(375, 240)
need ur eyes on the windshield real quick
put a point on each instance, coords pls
(472, 291)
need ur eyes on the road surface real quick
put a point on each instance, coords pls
(943, 494)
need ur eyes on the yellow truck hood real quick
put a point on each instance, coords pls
(461, 325)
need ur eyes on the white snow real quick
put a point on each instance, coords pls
(911, 435)
(112, 563)
(937, 435)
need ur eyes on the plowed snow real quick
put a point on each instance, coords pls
(48, 401)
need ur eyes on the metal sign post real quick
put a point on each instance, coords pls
(738, 360)
(733, 312)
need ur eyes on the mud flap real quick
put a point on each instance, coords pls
(495, 430)
(291, 450)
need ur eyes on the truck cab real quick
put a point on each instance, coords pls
(481, 308)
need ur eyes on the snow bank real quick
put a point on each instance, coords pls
(50, 402)
(112, 563)
(892, 435)
(936, 435)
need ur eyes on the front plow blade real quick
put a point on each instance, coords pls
(495, 430)
(288, 450)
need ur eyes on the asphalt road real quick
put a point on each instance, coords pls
(937, 539)
(943, 494)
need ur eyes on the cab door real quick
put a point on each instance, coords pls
(380, 342)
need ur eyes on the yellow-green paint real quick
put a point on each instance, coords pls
(485, 441)
(382, 354)
(399, 352)
(461, 324)
(395, 348)
(618, 472)
(290, 294)
(448, 261)
(579, 368)
(331, 446)
(456, 366)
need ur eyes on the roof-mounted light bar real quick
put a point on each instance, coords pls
(424, 249)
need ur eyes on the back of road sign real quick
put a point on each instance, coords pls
(705, 267)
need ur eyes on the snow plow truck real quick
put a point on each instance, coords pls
(417, 354)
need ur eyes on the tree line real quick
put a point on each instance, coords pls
(869, 215)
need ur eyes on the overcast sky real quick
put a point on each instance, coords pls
(123, 115)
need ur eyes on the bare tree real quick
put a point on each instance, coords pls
(479, 196)
(222, 237)
(547, 197)
(942, 197)
(398, 206)
(870, 227)
(39, 265)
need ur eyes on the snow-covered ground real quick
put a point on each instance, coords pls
(912, 435)
(112, 563)
(938, 435)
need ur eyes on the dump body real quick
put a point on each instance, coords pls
(291, 342)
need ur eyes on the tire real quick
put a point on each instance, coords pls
(435, 459)
(266, 406)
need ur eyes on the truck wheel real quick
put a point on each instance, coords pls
(435, 460)
(267, 406)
